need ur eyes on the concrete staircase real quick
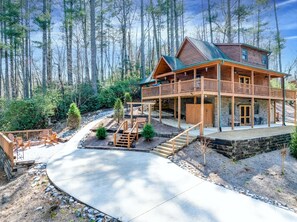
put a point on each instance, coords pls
(165, 149)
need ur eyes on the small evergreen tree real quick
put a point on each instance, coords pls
(101, 133)
(118, 110)
(74, 116)
(127, 98)
(293, 144)
(148, 132)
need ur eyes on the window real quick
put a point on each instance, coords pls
(264, 59)
(244, 79)
(244, 55)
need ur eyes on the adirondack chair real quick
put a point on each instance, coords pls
(44, 135)
(21, 146)
(52, 139)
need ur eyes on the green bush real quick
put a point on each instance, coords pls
(118, 110)
(101, 133)
(148, 132)
(293, 144)
(74, 117)
(127, 98)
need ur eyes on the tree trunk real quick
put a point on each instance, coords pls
(49, 49)
(171, 28)
(210, 21)
(84, 27)
(12, 77)
(176, 26)
(101, 41)
(238, 21)
(93, 47)
(44, 50)
(229, 25)
(278, 38)
(142, 60)
(26, 74)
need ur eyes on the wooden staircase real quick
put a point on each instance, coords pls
(127, 137)
(178, 142)
(165, 149)
(124, 141)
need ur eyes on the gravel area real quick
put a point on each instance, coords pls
(259, 177)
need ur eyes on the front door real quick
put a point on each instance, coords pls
(245, 115)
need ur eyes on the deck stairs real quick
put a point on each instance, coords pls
(123, 140)
(126, 135)
(166, 149)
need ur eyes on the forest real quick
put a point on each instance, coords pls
(55, 52)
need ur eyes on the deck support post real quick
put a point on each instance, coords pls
(174, 108)
(274, 111)
(233, 98)
(252, 101)
(268, 112)
(219, 97)
(202, 107)
(284, 101)
(131, 114)
(160, 110)
(179, 111)
(150, 114)
(195, 99)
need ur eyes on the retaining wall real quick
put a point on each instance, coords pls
(5, 164)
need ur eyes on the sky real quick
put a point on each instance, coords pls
(287, 17)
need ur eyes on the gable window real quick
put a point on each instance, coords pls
(264, 59)
(244, 54)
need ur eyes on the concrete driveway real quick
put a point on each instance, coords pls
(134, 186)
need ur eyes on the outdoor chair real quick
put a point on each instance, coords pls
(52, 139)
(21, 146)
(44, 135)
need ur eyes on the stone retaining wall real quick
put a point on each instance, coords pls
(5, 164)
(240, 149)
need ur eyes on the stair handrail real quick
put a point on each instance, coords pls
(123, 125)
(131, 131)
(182, 133)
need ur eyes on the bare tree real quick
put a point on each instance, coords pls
(93, 47)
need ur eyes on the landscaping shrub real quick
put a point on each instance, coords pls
(118, 110)
(127, 98)
(101, 133)
(74, 117)
(293, 144)
(148, 132)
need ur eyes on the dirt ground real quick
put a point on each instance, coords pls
(260, 174)
(31, 197)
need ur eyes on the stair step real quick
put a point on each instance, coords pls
(164, 148)
(159, 154)
(168, 152)
(170, 145)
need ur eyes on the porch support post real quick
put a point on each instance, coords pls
(284, 101)
(195, 99)
(179, 111)
(195, 71)
(174, 108)
(233, 98)
(160, 104)
(219, 97)
(274, 111)
(268, 116)
(179, 104)
(131, 114)
(160, 110)
(253, 101)
(150, 114)
(202, 107)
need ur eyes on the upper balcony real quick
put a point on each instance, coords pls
(210, 87)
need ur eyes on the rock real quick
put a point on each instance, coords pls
(71, 200)
(36, 179)
(91, 211)
(5, 199)
(77, 213)
(96, 212)
(39, 208)
(85, 209)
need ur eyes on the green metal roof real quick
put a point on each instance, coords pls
(174, 62)
(209, 50)
(147, 80)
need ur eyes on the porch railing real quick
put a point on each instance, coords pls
(211, 86)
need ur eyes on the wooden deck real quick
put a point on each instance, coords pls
(208, 86)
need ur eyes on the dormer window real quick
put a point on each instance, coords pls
(264, 59)
(244, 55)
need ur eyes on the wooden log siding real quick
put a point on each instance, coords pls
(7, 146)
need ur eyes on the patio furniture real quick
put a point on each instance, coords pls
(21, 146)
(52, 139)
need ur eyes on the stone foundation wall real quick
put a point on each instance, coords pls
(241, 149)
(5, 164)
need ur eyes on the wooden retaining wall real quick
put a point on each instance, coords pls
(6, 155)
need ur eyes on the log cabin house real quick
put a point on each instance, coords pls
(218, 84)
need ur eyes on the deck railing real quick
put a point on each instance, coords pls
(7, 147)
(28, 134)
(211, 86)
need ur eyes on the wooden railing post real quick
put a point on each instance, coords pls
(187, 138)
(173, 146)
(114, 139)
(129, 140)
